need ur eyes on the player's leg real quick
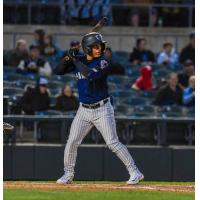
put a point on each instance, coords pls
(107, 126)
(81, 125)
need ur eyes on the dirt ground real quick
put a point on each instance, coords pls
(189, 188)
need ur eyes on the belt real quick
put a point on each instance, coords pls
(95, 105)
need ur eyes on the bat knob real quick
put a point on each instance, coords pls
(105, 20)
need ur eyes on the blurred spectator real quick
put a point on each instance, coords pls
(189, 93)
(135, 18)
(13, 57)
(140, 54)
(63, 12)
(116, 68)
(35, 99)
(154, 18)
(66, 101)
(160, 83)
(171, 93)
(188, 52)
(106, 11)
(39, 36)
(144, 82)
(35, 64)
(86, 12)
(185, 75)
(51, 51)
(168, 56)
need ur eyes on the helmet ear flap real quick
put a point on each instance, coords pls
(103, 46)
(88, 49)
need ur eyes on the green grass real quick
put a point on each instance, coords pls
(22, 194)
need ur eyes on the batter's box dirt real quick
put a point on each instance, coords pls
(99, 187)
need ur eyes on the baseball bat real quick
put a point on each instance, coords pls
(102, 22)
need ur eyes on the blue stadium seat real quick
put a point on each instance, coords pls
(64, 79)
(147, 94)
(8, 84)
(190, 112)
(14, 99)
(124, 93)
(118, 79)
(134, 72)
(161, 73)
(122, 54)
(71, 76)
(175, 68)
(7, 69)
(112, 87)
(56, 78)
(13, 77)
(124, 109)
(135, 101)
(55, 85)
(172, 111)
(52, 101)
(33, 77)
(48, 112)
(145, 110)
(22, 83)
(55, 92)
(11, 91)
(70, 113)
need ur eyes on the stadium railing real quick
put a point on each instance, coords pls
(62, 123)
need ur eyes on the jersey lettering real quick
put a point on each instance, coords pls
(80, 76)
(103, 64)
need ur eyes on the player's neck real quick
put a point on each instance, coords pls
(89, 57)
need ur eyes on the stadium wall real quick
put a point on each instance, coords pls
(45, 162)
(119, 38)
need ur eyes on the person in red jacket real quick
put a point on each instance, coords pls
(144, 82)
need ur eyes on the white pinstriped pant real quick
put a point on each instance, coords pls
(103, 119)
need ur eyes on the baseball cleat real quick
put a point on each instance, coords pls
(65, 179)
(140, 175)
(135, 178)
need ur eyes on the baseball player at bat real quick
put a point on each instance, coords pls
(95, 106)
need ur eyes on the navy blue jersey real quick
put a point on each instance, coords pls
(92, 80)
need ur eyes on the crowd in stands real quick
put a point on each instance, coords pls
(87, 12)
(140, 72)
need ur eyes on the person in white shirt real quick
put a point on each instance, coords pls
(35, 63)
(168, 56)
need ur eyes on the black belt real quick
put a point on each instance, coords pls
(94, 105)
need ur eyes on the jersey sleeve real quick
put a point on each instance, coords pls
(66, 65)
(93, 73)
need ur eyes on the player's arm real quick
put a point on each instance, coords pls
(94, 73)
(64, 66)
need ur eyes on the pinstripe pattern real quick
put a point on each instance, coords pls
(103, 119)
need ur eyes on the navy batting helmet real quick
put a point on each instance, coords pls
(90, 39)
